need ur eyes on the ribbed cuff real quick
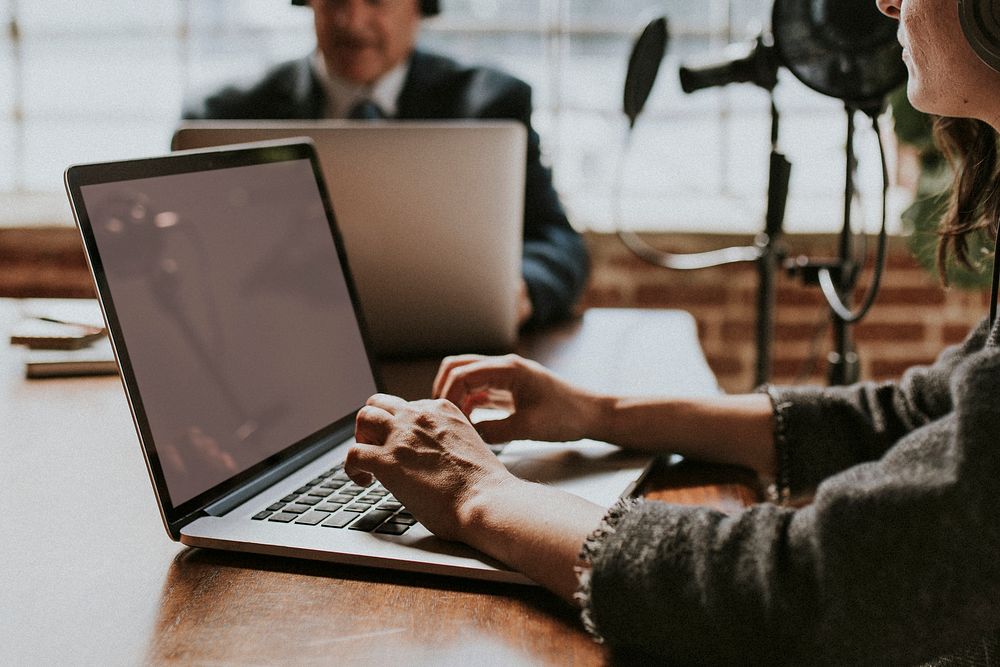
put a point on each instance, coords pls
(780, 491)
(588, 553)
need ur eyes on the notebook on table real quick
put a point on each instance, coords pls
(62, 338)
(431, 215)
(245, 357)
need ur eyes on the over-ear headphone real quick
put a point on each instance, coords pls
(427, 7)
(981, 25)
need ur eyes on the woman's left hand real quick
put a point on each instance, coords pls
(429, 456)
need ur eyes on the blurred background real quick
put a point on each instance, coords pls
(105, 79)
(99, 80)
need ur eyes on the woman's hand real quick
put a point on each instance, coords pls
(541, 406)
(430, 457)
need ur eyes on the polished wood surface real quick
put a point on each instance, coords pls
(89, 575)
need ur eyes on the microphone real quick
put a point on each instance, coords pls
(643, 66)
(842, 48)
(855, 27)
(748, 63)
(845, 49)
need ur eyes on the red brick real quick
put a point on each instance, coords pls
(724, 365)
(794, 332)
(603, 297)
(791, 367)
(737, 331)
(902, 260)
(799, 296)
(955, 333)
(890, 332)
(673, 296)
(911, 296)
(702, 327)
(795, 380)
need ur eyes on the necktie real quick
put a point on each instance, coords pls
(366, 110)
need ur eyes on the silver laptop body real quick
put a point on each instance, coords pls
(431, 215)
(244, 357)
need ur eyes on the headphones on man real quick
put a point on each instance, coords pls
(427, 7)
(981, 24)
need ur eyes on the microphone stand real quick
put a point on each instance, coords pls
(838, 277)
(843, 367)
(768, 252)
(772, 251)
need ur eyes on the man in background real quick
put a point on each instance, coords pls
(365, 66)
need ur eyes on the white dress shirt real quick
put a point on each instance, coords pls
(342, 95)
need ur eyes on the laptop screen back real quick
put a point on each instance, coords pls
(235, 313)
(441, 200)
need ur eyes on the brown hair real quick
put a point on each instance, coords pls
(970, 146)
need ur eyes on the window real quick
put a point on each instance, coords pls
(103, 80)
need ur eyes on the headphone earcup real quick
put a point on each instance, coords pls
(981, 24)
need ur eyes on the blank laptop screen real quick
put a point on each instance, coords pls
(235, 313)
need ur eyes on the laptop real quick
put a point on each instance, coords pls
(442, 201)
(245, 357)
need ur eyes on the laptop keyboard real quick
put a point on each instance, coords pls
(332, 500)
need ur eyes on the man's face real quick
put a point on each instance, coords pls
(363, 39)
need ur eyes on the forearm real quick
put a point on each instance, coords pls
(533, 529)
(554, 267)
(736, 429)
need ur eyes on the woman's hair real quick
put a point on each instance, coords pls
(970, 146)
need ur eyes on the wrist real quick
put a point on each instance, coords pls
(532, 528)
(484, 517)
(599, 417)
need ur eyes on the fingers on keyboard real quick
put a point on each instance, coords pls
(333, 501)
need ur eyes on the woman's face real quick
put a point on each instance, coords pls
(945, 75)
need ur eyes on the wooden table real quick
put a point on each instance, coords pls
(90, 577)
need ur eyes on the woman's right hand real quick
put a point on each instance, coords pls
(541, 405)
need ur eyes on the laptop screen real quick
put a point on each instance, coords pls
(235, 313)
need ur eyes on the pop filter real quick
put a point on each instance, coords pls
(842, 48)
(643, 66)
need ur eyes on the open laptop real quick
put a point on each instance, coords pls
(431, 215)
(244, 356)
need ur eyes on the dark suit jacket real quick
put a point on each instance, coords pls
(555, 263)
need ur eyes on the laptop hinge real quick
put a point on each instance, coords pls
(266, 479)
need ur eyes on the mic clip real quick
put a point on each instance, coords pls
(843, 273)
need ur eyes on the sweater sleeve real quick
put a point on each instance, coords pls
(860, 422)
(894, 562)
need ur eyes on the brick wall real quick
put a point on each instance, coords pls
(45, 261)
(912, 319)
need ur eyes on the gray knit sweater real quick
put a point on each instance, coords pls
(896, 560)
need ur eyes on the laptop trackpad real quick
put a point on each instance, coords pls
(593, 470)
